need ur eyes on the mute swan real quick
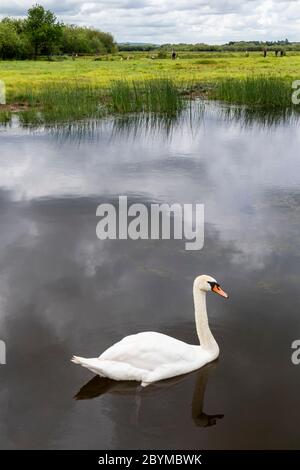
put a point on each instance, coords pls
(148, 357)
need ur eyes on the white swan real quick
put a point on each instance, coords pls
(148, 357)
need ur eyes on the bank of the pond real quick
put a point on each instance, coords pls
(200, 67)
(85, 86)
(66, 101)
(71, 100)
(269, 92)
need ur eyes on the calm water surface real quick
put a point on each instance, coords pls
(64, 292)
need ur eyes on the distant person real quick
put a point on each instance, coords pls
(265, 52)
(276, 52)
(281, 53)
(173, 55)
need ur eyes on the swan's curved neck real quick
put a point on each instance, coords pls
(204, 334)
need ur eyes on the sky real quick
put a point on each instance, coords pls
(173, 21)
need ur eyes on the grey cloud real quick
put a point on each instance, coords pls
(214, 21)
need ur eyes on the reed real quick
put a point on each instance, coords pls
(268, 92)
(5, 117)
(67, 101)
(72, 101)
(160, 96)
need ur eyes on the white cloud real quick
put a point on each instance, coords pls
(214, 21)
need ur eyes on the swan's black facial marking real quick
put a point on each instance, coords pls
(217, 289)
(213, 284)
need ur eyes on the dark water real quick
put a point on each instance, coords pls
(64, 292)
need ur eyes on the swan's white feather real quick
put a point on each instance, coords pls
(112, 369)
(151, 349)
(146, 357)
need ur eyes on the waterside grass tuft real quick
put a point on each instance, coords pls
(263, 91)
(72, 101)
(160, 96)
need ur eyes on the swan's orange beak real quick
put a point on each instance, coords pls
(217, 289)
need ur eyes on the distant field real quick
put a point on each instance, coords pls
(22, 76)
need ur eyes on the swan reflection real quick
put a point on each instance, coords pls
(201, 418)
(98, 386)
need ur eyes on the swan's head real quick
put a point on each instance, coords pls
(207, 284)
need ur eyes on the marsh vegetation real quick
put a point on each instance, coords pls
(269, 92)
(68, 101)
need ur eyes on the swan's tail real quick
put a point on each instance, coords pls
(78, 360)
(112, 369)
(93, 364)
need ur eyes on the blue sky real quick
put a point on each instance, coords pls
(160, 21)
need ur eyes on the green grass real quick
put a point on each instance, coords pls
(72, 90)
(5, 117)
(159, 96)
(264, 91)
(67, 100)
(72, 101)
(199, 67)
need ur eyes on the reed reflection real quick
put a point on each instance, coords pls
(143, 125)
(265, 118)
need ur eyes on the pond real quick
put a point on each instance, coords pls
(63, 291)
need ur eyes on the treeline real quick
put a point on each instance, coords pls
(136, 47)
(234, 46)
(40, 33)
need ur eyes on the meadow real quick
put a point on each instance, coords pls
(43, 83)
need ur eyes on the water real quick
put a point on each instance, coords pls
(64, 292)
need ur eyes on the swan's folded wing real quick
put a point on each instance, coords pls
(150, 350)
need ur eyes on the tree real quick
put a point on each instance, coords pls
(43, 29)
(14, 42)
(9, 41)
(87, 40)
